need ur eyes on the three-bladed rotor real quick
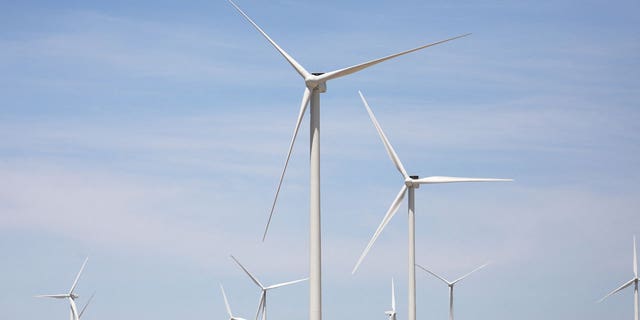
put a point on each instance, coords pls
(262, 305)
(71, 296)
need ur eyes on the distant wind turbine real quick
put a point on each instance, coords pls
(450, 284)
(315, 83)
(633, 281)
(70, 296)
(410, 184)
(262, 305)
(226, 304)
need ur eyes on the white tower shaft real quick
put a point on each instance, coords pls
(315, 253)
(412, 256)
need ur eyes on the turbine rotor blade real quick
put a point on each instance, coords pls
(54, 296)
(468, 274)
(393, 296)
(86, 305)
(303, 107)
(622, 287)
(635, 258)
(261, 305)
(75, 282)
(297, 66)
(438, 179)
(387, 145)
(285, 284)
(226, 302)
(255, 280)
(434, 274)
(349, 70)
(385, 220)
(74, 309)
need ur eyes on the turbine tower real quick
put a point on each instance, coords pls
(262, 305)
(226, 304)
(450, 284)
(315, 83)
(410, 184)
(70, 296)
(633, 281)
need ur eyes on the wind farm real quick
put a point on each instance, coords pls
(161, 139)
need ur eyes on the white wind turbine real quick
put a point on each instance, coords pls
(315, 83)
(392, 313)
(262, 305)
(226, 304)
(633, 281)
(71, 296)
(450, 284)
(410, 184)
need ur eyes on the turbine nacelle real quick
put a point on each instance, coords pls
(315, 82)
(411, 182)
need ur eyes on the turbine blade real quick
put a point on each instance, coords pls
(393, 296)
(622, 287)
(635, 258)
(297, 66)
(349, 70)
(468, 274)
(226, 302)
(260, 305)
(86, 305)
(285, 284)
(75, 282)
(433, 274)
(74, 309)
(55, 296)
(387, 145)
(255, 280)
(436, 179)
(385, 220)
(303, 108)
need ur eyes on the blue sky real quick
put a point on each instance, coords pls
(149, 136)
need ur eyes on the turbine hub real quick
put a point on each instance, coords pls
(411, 183)
(313, 83)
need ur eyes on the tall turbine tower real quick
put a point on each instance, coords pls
(633, 281)
(450, 284)
(315, 83)
(70, 296)
(410, 184)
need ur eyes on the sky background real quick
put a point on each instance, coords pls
(150, 136)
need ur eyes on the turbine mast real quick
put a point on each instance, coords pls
(315, 252)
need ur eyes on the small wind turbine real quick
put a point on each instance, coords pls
(71, 296)
(226, 304)
(392, 313)
(633, 281)
(315, 83)
(262, 305)
(450, 284)
(410, 184)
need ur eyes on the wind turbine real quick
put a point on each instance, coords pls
(633, 281)
(315, 83)
(450, 284)
(262, 305)
(71, 296)
(226, 304)
(410, 184)
(392, 313)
